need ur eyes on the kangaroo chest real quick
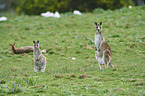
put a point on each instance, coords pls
(97, 41)
(36, 53)
(99, 56)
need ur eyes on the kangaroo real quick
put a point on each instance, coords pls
(103, 51)
(39, 60)
(21, 50)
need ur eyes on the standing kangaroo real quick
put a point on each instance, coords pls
(39, 60)
(103, 51)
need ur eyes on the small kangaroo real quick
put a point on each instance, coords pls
(21, 50)
(103, 51)
(39, 60)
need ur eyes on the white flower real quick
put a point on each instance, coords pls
(56, 15)
(3, 18)
(49, 14)
(130, 6)
(77, 12)
(73, 58)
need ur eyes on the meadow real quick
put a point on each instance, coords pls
(72, 69)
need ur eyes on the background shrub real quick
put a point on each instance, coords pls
(98, 10)
(38, 6)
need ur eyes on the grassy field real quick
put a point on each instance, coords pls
(69, 37)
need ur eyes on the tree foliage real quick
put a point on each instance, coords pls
(38, 6)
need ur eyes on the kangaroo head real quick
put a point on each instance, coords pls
(36, 44)
(13, 46)
(98, 27)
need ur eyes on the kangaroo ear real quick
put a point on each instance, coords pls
(37, 41)
(101, 23)
(96, 23)
(33, 41)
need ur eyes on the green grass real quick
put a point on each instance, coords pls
(70, 37)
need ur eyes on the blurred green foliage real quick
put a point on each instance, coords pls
(38, 6)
